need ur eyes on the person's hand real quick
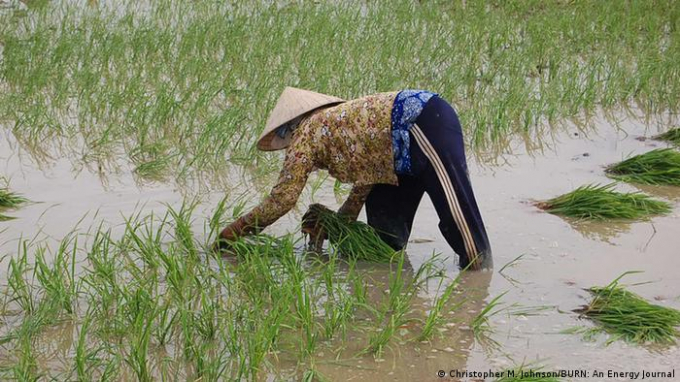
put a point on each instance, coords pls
(222, 247)
(312, 227)
(232, 232)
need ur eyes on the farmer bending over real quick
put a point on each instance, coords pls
(393, 147)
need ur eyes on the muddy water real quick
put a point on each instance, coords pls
(558, 257)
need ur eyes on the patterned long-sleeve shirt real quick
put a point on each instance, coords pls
(352, 140)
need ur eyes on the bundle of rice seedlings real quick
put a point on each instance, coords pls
(9, 199)
(598, 202)
(672, 136)
(353, 239)
(628, 316)
(659, 167)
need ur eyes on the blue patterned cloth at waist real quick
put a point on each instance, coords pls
(407, 107)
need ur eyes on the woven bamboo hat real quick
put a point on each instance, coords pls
(292, 103)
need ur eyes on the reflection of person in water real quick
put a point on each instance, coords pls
(393, 147)
(415, 361)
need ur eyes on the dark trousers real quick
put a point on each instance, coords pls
(439, 168)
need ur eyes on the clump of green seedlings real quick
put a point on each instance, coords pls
(601, 202)
(672, 136)
(9, 199)
(354, 239)
(440, 306)
(657, 167)
(627, 316)
(525, 373)
(393, 314)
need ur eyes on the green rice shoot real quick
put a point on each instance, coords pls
(672, 136)
(629, 317)
(601, 202)
(481, 326)
(9, 199)
(354, 239)
(657, 167)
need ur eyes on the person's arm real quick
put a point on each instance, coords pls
(296, 168)
(355, 200)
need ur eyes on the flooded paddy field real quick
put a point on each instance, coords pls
(131, 166)
(550, 261)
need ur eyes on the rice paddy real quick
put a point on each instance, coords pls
(601, 202)
(176, 96)
(176, 92)
(657, 167)
(625, 315)
(157, 292)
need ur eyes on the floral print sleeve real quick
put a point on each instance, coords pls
(296, 168)
(355, 200)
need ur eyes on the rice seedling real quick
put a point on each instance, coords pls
(625, 315)
(313, 375)
(599, 202)
(137, 358)
(340, 304)
(658, 167)
(19, 290)
(58, 281)
(9, 199)
(26, 368)
(392, 315)
(672, 136)
(480, 326)
(353, 239)
(86, 360)
(440, 306)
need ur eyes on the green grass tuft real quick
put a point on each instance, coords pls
(658, 167)
(598, 202)
(672, 135)
(9, 199)
(627, 316)
(353, 239)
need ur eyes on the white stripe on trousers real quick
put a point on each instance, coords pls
(450, 193)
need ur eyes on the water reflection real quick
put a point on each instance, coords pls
(664, 192)
(605, 231)
(406, 358)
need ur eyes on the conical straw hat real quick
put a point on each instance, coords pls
(292, 103)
